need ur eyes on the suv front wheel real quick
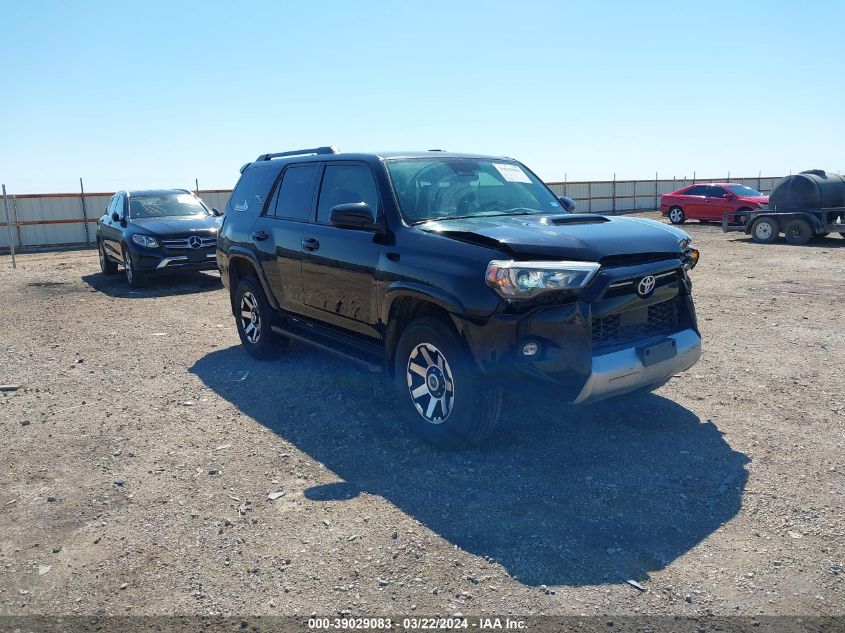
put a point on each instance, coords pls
(439, 395)
(254, 316)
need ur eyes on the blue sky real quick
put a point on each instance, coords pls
(141, 94)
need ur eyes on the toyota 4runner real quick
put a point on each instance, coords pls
(459, 276)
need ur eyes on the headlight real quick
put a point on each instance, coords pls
(145, 240)
(689, 255)
(521, 280)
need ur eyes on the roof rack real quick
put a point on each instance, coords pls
(300, 152)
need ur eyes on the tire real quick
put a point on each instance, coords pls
(798, 232)
(107, 266)
(453, 408)
(253, 317)
(765, 231)
(677, 215)
(133, 277)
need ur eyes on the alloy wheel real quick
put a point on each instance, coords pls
(675, 215)
(430, 383)
(250, 317)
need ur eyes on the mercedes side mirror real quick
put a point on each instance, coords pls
(352, 215)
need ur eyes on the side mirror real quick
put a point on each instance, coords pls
(352, 215)
(215, 212)
(567, 203)
(728, 196)
(115, 217)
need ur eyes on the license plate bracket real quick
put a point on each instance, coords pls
(195, 257)
(658, 352)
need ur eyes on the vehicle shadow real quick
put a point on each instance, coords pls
(829, 241)
(173, 283)
(574, 496)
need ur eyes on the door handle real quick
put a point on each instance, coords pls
(260, 236)
(310, 244)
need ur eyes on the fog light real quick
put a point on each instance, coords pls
(530, 349)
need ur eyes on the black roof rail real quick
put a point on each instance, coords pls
(300, 152)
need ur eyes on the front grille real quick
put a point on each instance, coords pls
(626, 327)
(627, 286)
(183, 242)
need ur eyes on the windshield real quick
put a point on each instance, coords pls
(742, 190)
(179, 204)
(438, 189)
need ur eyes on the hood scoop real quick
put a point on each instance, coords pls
(578, 218)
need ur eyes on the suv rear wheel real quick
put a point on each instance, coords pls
(438, 394)
(253, 316)
(107, 266)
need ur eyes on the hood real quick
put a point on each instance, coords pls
(577, 236)
(176, 225)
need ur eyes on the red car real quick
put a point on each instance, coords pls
(707, 203)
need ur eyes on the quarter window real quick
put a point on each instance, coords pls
(296, 191)
(343, 184)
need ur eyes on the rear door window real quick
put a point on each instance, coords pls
(346, 183)
(716, 192)
(247, 193)
(296, 192)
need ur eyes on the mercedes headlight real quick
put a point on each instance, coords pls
(145, 240)
(522, 280)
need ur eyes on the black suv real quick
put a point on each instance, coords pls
(156, 231)
(458, 275)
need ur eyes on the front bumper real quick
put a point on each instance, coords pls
(589, 348)
(155, 260)
(623, 371)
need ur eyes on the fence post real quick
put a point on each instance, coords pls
(656, 197)
(17, 221)
(9, 226)
(614, 193)
(589, 196)
(564, 183)
(84, 214)
(759, 172)
(197, 185)
(635, 195)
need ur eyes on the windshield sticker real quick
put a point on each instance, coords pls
(512, 173)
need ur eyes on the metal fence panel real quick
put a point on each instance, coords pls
(57, 219)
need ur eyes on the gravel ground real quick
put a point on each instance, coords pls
(142, 449)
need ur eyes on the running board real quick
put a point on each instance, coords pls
(367, 355)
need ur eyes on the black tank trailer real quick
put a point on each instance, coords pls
(801, 206)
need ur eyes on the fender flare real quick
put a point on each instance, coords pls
(241, 254)
(401, 289)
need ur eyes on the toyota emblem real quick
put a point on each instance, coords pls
(195, 242)
(646, 286)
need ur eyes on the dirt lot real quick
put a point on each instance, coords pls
(139, 451)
